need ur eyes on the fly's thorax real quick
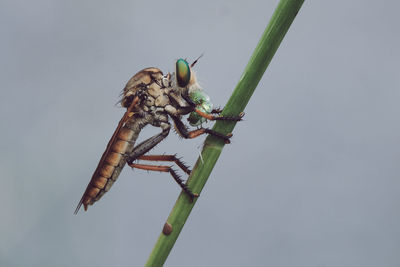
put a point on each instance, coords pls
(157, 95)
(146, 79)
(166, 81)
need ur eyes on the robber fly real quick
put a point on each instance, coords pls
(152, 98)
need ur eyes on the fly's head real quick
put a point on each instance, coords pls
(184, 79)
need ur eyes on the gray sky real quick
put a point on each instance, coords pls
(311, 177)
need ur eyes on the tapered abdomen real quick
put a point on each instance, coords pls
(122, 142)
(111, 163)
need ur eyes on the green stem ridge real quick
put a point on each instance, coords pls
(279, 24)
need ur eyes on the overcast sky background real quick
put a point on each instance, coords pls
(311, 177)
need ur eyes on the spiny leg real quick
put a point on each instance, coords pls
(173, 158)
(169, 169)
(183, 131)
(198, 132)
(212, 117)
(216, 111)
(148, 144)
(144, 147)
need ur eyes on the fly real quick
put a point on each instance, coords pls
(152, 98)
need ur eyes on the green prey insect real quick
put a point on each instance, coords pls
(151, 97)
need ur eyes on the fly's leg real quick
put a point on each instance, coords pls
(169, 169)
(216, 111)
(212, 117)
(150, 143)
(144, 147)
(171, 158)
(183, 131)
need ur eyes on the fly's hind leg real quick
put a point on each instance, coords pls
(144, 147)
(169, 169)
(170, 158)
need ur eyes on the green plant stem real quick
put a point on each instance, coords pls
(279, 24)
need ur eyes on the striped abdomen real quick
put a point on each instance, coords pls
(124, 137)
(110, 165)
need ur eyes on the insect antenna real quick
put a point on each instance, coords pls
(194, 62)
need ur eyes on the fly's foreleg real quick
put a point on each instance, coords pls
(216, 111)
(183, 131)
(212, 117)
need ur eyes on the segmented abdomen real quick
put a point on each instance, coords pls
(124, 137)
(110, 165)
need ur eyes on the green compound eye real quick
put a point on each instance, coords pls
(182, 73)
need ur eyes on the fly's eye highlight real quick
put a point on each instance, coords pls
(182, 72)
